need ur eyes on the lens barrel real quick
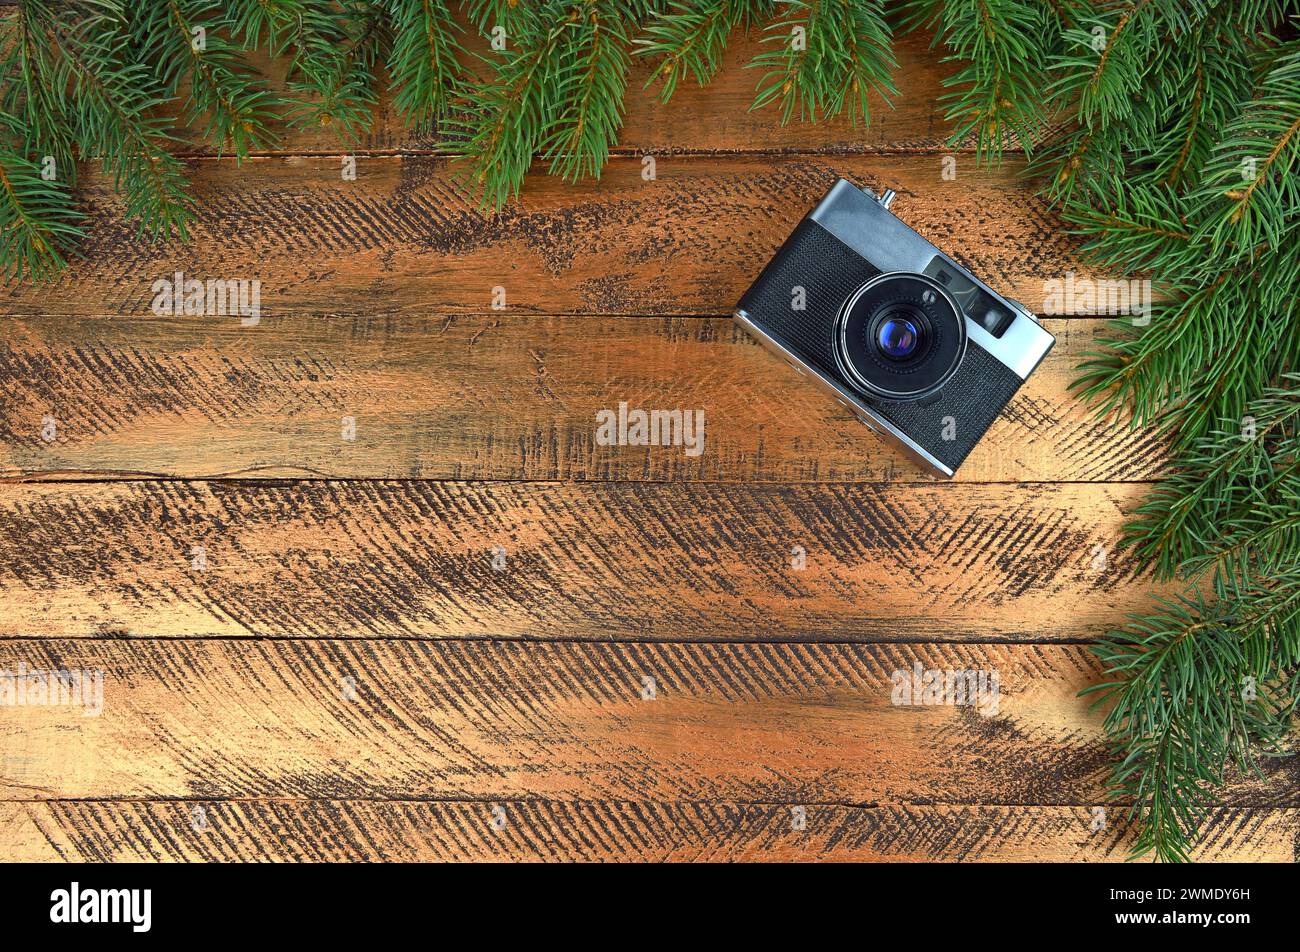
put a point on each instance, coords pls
(900, 337)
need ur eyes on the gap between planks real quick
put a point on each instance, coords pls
(614, 639)
(538, 168)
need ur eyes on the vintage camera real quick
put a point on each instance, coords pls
(920, 350)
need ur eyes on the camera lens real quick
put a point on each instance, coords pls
(898, 337)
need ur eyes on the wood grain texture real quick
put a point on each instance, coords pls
(484, 720)
(718, 117)
(404, 238)
(501, 397)
(374, 686)
(656, 560)
(714, 118)
(604, 831)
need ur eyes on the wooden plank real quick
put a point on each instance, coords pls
(416, 831)
(718, 117)
(656, 560)
(714, 118)
(486, 720)
(404, 238)
(508, 397)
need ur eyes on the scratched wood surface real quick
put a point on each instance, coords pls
(318, 830)
(713, 118)
(405, 237)
(489, 719)
(473, 634)
(419, 558)
(484, 397)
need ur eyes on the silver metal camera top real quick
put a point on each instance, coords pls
(864, 222)
(1023, 310)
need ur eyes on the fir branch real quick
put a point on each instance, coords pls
(512, 16)
(691, 38)
(116, 93)
(332, 69)
(38, 114)
(1194, 125)
(1105, 85)
(996, 96)
(589, 88)
(826, 57)
(39, 220)
(1165, 104)
(1250, 193)
(503, 125)
(1199, 686)
(110, 107)
(1168, 84)
(423, 61)
(1202, 688)
(1229, 475)
(184, 43)
(1188, 367)
(1144, 226)
(266, 22)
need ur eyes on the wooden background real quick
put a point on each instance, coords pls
(350, 678)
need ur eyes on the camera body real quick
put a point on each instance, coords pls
(922, 351)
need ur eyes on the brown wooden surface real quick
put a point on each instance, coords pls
(522, 689)
(405, 238)
(490, 719)
(484, 397)
(415, 558)
(714, 118)
(543, 830)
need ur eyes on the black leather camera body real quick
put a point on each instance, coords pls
(922, 351)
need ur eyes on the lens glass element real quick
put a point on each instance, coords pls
(897, 337)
